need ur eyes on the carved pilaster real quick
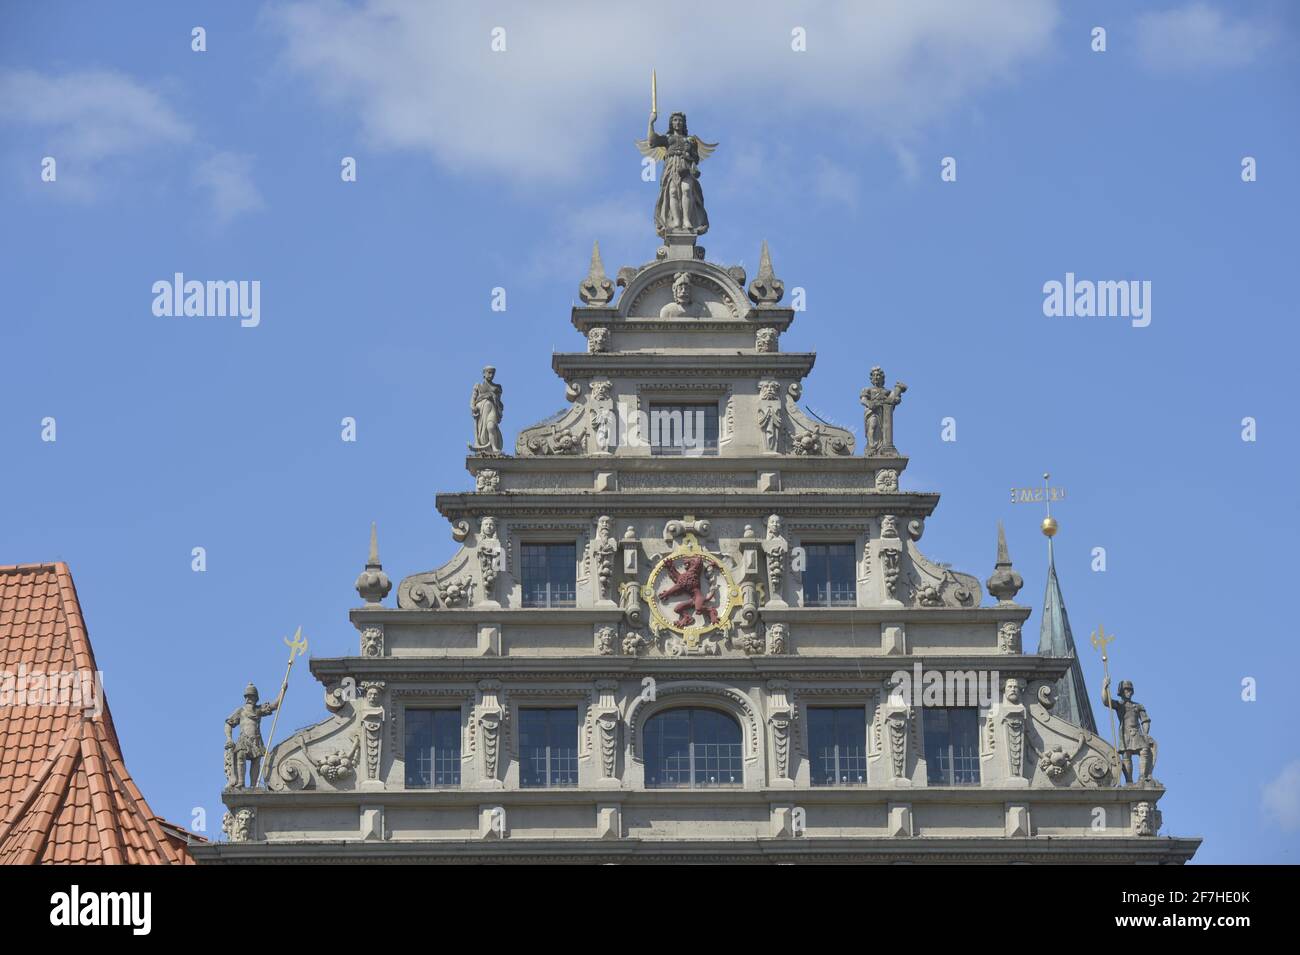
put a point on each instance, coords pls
(889, 553)
(607, 718)
(893, 747)
(370, 715)
(780, 718)
(489, 715)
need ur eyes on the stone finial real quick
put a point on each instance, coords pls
(373, 584)
(766, 289)
(1005, 582)
(596, 289)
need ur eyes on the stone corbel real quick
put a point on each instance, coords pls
(1018, 822)
(490, 714)
(900, 824)
(372, 823)
(609, 821)
(492, 822)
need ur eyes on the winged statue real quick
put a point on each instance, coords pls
(681, 201)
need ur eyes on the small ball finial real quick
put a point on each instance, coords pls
(1049, 526)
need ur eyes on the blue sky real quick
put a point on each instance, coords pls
(479, 169)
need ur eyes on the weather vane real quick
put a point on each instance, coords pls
(1047, 494)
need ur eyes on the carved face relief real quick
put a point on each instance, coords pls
(598, 340)
(488, 527)
(600, 390)
(1011, 694)
(769, 390)
(603, 526)
(682, 288)
(774, 526)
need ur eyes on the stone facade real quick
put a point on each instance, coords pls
(726, 533)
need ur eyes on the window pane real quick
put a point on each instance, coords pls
(549, 574)
(952, 745)
(432, 748)
(837, 737)
(693, 747)
(683, 428)
(668, 749)
(548, 747)
(830, 575)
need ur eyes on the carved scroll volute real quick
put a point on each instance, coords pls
(780, 719)
(606, 719)
(489, 715)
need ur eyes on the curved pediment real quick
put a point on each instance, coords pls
(685, 290)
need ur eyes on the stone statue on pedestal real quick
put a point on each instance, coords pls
(1134, 733)
(879, 420)
(680, 208)
(487, 408)
(249, 749)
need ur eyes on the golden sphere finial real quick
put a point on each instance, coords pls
(1049, 527)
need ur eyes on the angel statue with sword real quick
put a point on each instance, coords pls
(681, 202)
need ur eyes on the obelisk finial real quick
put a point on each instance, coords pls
(766, 289)
(596, 289)
(373, 584)
(1005, 583)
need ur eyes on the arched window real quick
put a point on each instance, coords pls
(693, 748)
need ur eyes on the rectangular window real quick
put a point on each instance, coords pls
(830, 577)
(548, 748)
(432, 748)
(837, 738)
(952, 745)
(683, 429)
(550, 573)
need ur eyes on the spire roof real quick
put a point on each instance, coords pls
(65, 793)
(1057, 640)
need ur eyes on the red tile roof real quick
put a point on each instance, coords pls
(65, 793)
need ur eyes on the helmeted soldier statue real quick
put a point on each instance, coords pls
(249, 748)
(1134, 734)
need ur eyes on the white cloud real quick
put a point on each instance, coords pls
(575, 75)
(94, 115)
(102, 127)
(1199, 36)
(228, 177)
(1282, 797)
(90, 122)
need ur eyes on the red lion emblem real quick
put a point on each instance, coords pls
(689, 581)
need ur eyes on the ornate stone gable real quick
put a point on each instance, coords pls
(684, 559)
